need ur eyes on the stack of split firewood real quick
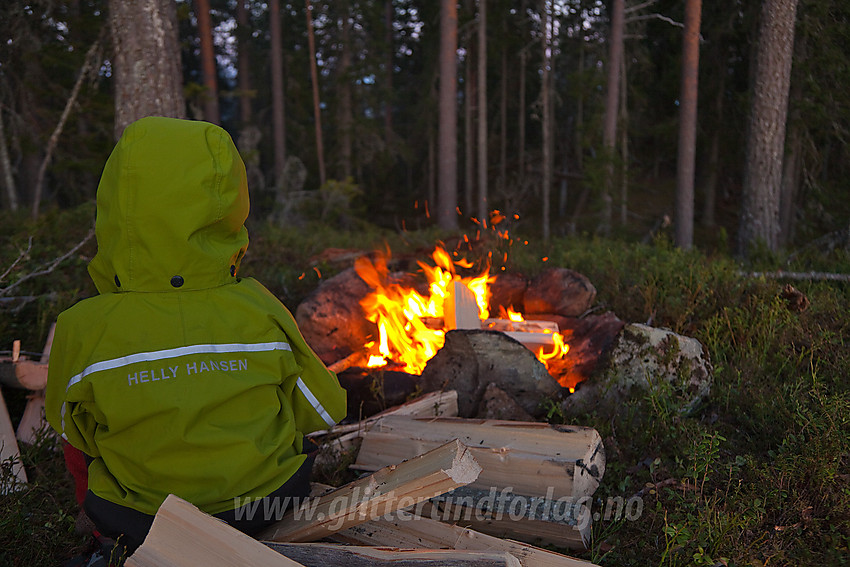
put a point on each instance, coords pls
(18, 371)
(440, 490)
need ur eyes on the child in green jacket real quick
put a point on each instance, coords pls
(181, 377)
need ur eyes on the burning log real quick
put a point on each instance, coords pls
(556, 461)
(383, 492)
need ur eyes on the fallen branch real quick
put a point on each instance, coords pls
(45, 270)
(783, 275)
(88, 63)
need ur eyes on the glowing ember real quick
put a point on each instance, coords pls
(410, 324)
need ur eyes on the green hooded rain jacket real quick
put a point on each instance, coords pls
(181, 377)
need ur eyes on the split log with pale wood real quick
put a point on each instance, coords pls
(10, 455)
(426, 532)
(569, 460)
(183, 536)
(391, 488)
(324, 554)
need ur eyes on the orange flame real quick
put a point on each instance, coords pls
(410, 324)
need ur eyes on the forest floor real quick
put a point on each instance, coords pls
(758, 475)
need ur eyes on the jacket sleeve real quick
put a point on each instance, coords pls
(318, 401)
(69, 403)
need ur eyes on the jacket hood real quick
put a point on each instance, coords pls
(171, 207)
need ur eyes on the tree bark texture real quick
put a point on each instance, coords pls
(468, 136)
(447, 146)
(317, 110)
(278, 99)
(208, 69)
(688, 126)
(483, 207)
(546, 96)
(243, 63)
(609, 129)
(766, 141)
(146, 61)
(346, 116)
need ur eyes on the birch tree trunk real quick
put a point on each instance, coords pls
(146, 61)
(447, 147)
(766, 140)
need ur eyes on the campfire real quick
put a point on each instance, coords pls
(412, 325)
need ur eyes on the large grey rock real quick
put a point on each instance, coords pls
(646, 362)
(470, 360)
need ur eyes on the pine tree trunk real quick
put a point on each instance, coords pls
(447, 147)
(278, 92)
(346, 119)
(317, 111)
(483, 207)
(688, 127)
(547, 119)
(468, 137)
(609, 130)
(766, 139)
(208, 71)
(146, 61)
(243, 63)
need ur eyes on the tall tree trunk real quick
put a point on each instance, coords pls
(483, 207)
(790, 184)
(521, 117)
(468, 137)
(388, 72)
(766, 138)
(447, 147)
(624, 145)
(208, 71)
(688, 126)
(547, 117)
(503, 123)
(609, 130)
(579, 132)
(244, 63)
(146, 61)
(709, 186)
(6, 165)
(346, 119)
(278, 92)
(317, 111)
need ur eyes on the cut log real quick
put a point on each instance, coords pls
(460, 310)
(33, 423)
(392, 488)
(341, 439)
(183, 536)
(563, 522)
(10, 455)
(19, 372)
(556, 461)
(324, 554)
(425, 532)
